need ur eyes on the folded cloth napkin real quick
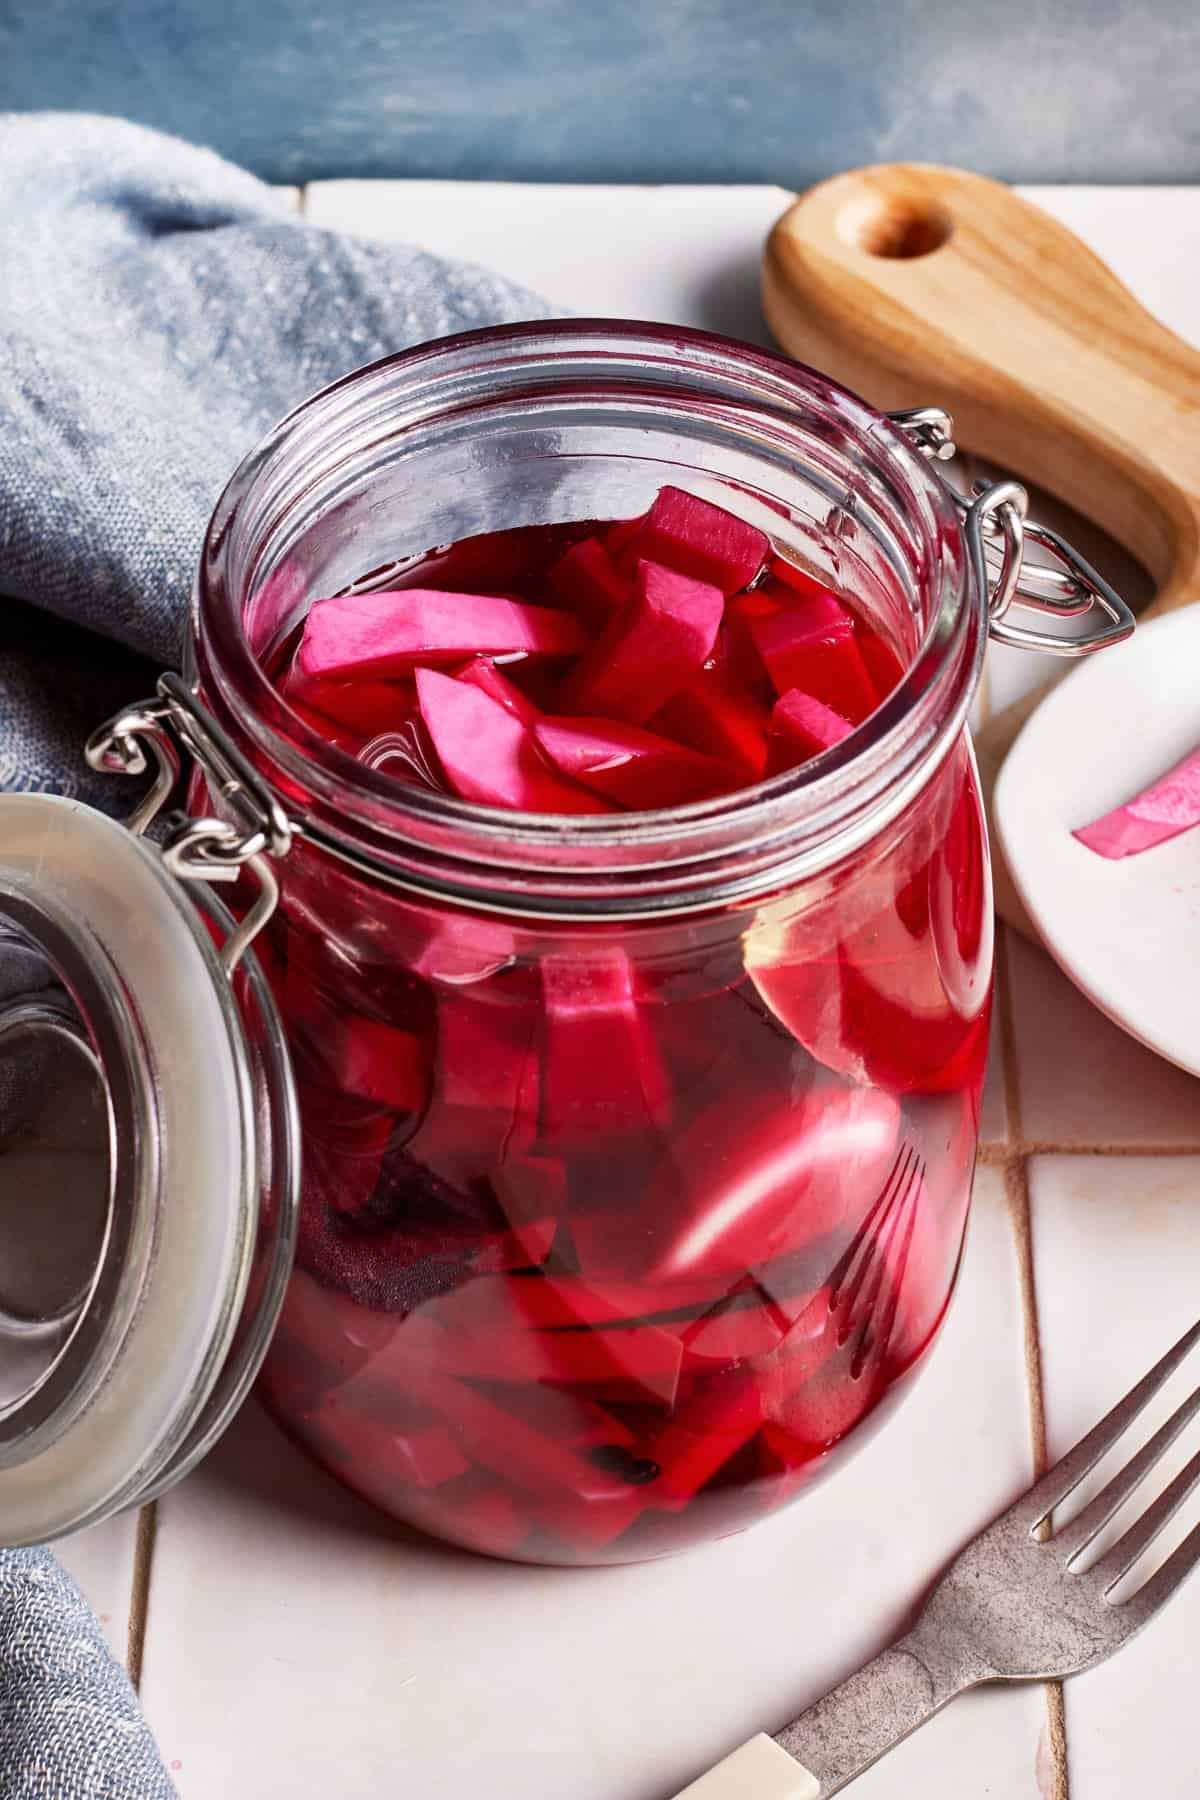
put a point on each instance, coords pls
(70, 1725)
(159, 310)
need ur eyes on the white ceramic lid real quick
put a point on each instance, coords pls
(1127, 932)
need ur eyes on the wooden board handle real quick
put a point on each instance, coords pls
(915, 284)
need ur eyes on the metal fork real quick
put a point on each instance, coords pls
(862, 1328)
(1016, 1605)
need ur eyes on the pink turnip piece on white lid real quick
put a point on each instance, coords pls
(1159, 813)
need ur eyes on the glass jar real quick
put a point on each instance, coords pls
(636, 1154)
(637, 1150)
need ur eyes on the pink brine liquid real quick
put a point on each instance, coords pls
(613, 1235)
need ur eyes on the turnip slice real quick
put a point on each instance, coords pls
(365, 705)
(454, 948)
(501, 1441)
(593, 1523)
(1157, 814)
(801, 581)
(349, 1053)
(568, 1302)
(489, 755)
(898, 1000)
(881, 661)
(484, 1083)
(630, 765)
(425, 1458)
(786, 1177)
(662, 638)
(530, 1187)
(714, 714)
(322, 1340)
(482, 673)
(380, 1062)
(702, 540)
(588, 580)
(391, 633)
(702, 1436)
(329, 729)
(621, 533)
(602, 1073)
(800, 728)
(812, 646)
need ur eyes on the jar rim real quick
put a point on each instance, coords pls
(834, 803)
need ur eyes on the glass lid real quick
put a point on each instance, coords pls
(147, 1170)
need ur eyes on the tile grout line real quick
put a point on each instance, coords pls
(993, 1154)
(139, 1598)
(1016, 1183)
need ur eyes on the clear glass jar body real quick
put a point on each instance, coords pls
(637, 1156)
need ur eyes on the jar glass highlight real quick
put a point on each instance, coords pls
(637, 1152)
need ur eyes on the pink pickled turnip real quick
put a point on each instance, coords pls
(485, 1086)
(621, 533)
(731, 1199)
(811, 645)
(381, 1062)
(529, 1187)
(588, 580)
(630, 765)
(366, 706)
(350, 1053)
(800, 728)
(392, 633)
(489, 755)
(594, 1523)
(329, 729)
(899, 996)
(881, 661)
(528, 1328)
(526, 1246)
(702, 540)
(454, 948)
(711, 1427)
(1156, 815)
(714, 714)
(501, 1441)
(482, 673)
(602, 1072)
(661, 639)
(428, 1457)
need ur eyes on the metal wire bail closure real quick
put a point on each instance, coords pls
(207, 849)
(998, 535)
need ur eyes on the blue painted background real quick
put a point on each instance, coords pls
(612, 90)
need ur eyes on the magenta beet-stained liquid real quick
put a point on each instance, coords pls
(615, 1234)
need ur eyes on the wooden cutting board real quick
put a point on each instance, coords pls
(916, 284)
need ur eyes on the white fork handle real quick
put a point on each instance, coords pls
(760, 1770)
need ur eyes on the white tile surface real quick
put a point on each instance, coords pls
(100, 1561)
(1080, 1079)
(686, 256)
(298, 1645)
(1117, 1258)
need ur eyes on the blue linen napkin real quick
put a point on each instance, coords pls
(159, 311)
